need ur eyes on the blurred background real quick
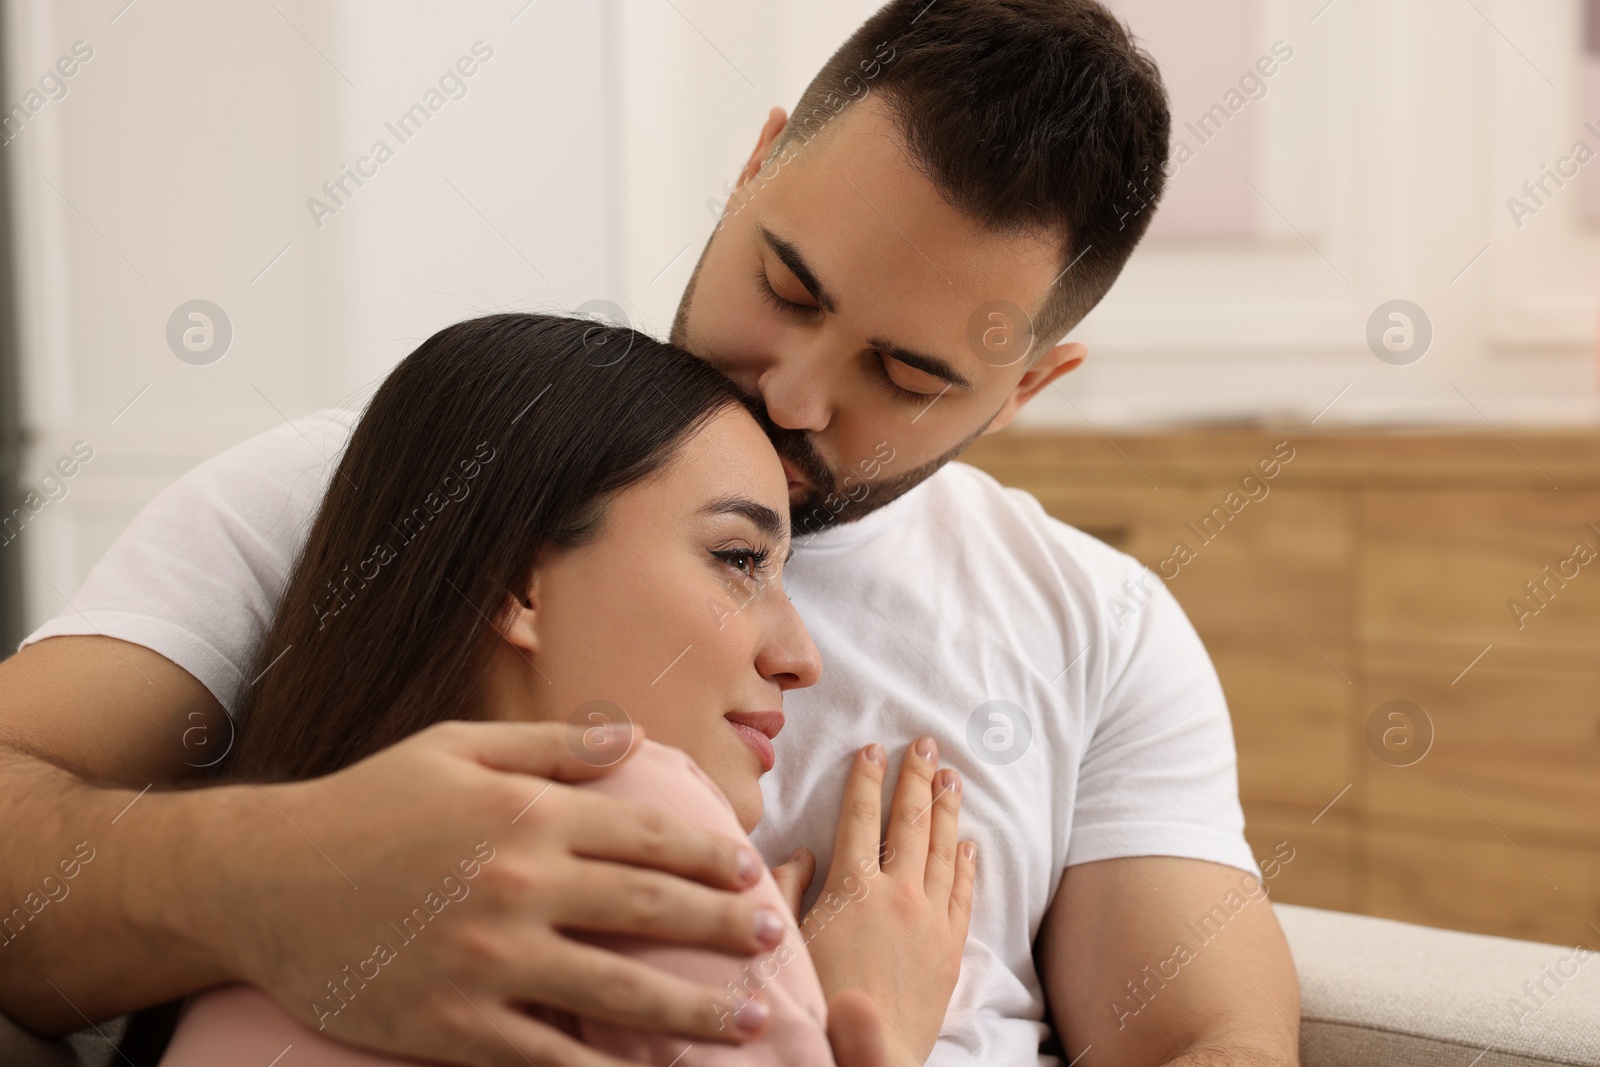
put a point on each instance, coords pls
(1378, 257)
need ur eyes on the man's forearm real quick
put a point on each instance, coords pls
(109, 896)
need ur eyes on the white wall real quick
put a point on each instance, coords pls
(185, 152)
(580, 162)
(693, 81)
(1395, 137)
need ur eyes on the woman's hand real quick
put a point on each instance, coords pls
(855, 1030)
(894, 929)
(793, 876)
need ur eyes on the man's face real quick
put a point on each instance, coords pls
(882, 329)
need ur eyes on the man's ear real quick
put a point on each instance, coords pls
(518, 623)
(1061, 359)
(777, 118)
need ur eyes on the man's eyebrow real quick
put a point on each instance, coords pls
(939, 368)
(791, 258)
(766, 520)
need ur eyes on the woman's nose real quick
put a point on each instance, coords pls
(788, 656)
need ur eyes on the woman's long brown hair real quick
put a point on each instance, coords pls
(497, 436)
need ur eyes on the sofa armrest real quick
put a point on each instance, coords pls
(1377, 993)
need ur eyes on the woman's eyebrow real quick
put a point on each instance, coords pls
(766, 520)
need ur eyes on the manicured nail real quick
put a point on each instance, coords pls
(969, 850)
(769, 927)
(751, 1016)
(949, 781)
(749, 865)
(927, 749)
(874, 753)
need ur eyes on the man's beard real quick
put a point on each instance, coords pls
(827, 499)
(824, 501)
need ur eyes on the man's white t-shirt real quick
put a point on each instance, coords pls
(960, 611)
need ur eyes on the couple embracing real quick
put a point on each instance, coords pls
(616, 633)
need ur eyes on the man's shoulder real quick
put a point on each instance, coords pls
(296, 445)
(979, 511)
(197, 574)
(273, 482)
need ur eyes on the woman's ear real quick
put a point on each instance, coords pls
(519, 618)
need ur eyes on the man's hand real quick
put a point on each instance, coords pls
(1157, 960)
(387, 831)
(293, 887)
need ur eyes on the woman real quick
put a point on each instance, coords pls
(544, 519)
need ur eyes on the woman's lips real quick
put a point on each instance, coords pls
(758, 728)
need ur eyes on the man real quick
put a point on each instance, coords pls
(961, 183)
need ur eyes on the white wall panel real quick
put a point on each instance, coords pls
(179, 165)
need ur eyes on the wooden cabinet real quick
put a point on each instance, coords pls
(1521, 742)
(1483, 883)
(1449, 566)
(1379, 591)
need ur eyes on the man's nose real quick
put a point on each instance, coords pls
(796, 391)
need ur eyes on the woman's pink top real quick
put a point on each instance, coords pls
(239, 1024)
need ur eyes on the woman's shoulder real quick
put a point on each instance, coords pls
(241, 1024)
(668, 778)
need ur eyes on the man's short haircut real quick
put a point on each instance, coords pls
(1025, 115)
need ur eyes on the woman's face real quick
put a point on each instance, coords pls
(675, 614)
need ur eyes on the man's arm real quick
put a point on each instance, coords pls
(98, 925)
(1157, 960)
(114, 896)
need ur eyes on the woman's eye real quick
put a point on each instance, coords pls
(746, 561)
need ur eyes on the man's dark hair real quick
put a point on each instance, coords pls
(1025, 115)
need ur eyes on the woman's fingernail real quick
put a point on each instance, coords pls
(969, 851)
(798, 855)
(874, 754)
(927, 749)
(751, 1016)
(769, 927)
(950, 781)
(749, 865)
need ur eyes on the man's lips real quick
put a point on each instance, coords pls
(791, 472)
(758, 728)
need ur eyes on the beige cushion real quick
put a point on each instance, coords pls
(1376, 993)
